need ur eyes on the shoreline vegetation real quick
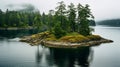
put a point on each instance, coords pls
(110, 22)
(73, 40)
(67, 28)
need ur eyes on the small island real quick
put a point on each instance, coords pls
(72, 40)
(67, 28)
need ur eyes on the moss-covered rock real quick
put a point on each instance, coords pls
(71, 40)
(51, 37)
(74, 38)
(94, 37)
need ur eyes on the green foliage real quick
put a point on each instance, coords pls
(37, 21)
(60, 21)
(92, 23)
(83, 19)
(58, 32)
(18, 19)
(61, 8)
(60, 14)
(72, 17)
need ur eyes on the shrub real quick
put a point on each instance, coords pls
(58, 32)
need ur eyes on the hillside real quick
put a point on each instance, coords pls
(111, 22)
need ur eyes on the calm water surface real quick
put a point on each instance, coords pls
(17, 54)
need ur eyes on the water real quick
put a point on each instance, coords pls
(107, 55)
(17, 54)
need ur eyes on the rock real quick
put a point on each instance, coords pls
(33, 40)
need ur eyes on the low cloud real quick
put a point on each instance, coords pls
(21, 7)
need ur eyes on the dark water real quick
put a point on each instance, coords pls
(17, 54)
(17, 33)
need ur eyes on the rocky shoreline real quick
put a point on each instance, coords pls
(59, 44)
(16, 28)
(74, 45)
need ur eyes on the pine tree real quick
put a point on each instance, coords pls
(37, 20)
(72, 17)
(60, 13)
(84, 14)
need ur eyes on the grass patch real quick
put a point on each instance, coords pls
(73, 34)
(94, 37)
(74, 38)
(51, 37)
(70, 37)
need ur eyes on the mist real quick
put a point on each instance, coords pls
(101, 9)
(22, 7)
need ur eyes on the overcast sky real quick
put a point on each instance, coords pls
(101, 9)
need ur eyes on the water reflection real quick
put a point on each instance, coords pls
(17, 33)
(43, 57)
(81, 57)
(38, 55)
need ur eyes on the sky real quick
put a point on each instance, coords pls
(101, 9)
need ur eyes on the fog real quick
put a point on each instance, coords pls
(101, 9)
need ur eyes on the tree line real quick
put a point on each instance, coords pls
(20, 19)
(110, 22)
(71, 19)
(63, 19)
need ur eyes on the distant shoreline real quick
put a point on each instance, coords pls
(15, 28)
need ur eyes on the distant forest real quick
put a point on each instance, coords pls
(22, 19)
(112, 22)
(69, 18)
(25, 19)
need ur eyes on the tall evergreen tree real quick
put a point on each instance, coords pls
(60, 13)
(65, 19)
(6, 24)
(84, 14)
(72, 17)
(1, 18)
(37, 20)
(43, 18)
(50, 20)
